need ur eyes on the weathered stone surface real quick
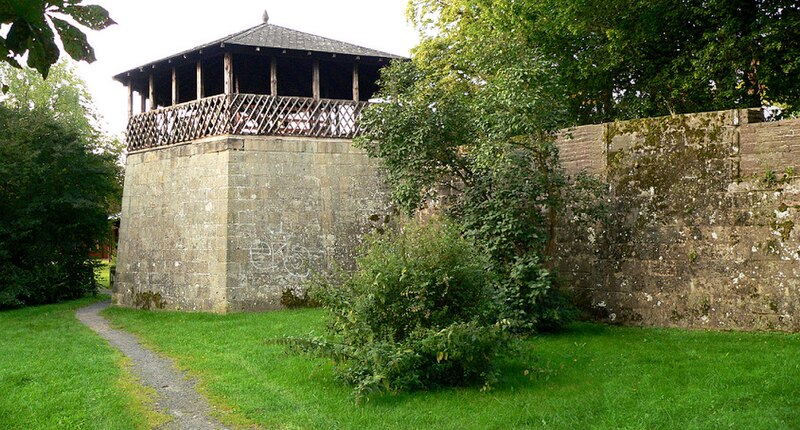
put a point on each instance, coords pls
(702, 232)
(230, 223)
(583, 148)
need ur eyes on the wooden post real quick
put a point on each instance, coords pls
(200, 88)
(315, 78)
(174, 86)
(356, 90)
(228, 72)
(273, 77)
(151, 93)
(130, 99)
(142, 103)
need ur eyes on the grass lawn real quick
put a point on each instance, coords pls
(102, 273)
(591, 377)
(55, 373)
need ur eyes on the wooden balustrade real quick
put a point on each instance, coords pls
(244, 114)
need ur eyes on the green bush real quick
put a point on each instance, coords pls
(511, 211)
(55, 190)
(295, 298)
(484, 151)
(417, 314)
(529, 300)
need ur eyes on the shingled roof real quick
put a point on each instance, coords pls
(273, 36)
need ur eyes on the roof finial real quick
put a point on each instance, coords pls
(265, 17)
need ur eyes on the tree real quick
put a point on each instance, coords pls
(492, 81)
(34, 25)
(480, 126)
(55, 191)
(622, 59)
(59, 176)
(63, 93)
(66, 96)
(471, 121)
(462, 139)
(59, 181)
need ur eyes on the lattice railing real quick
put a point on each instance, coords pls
(244, 114)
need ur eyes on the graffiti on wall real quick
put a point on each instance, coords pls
(281, 256)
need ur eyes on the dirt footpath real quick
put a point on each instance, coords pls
(177, 395)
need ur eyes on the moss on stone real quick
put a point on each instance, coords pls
(148, 300)
(784, 228)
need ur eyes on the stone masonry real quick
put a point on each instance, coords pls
(701, 234)
(230, 223)
(703, 228)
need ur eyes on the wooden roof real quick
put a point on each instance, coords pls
(275, 37)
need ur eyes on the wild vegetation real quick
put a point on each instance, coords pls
(478, 141)
(419, 313)
(60, 181)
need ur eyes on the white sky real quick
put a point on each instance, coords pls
(149, 30)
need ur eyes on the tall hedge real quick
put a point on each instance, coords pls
(55, 191)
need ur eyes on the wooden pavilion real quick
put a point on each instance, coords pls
(266, 80)
(241, 178)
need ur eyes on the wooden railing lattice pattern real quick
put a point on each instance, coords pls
(244, 114)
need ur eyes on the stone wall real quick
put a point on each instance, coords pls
(701, 232)
(230, 223)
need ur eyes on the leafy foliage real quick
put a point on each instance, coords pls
(464, 140)
(55, 191)
(420, 133)
(512, 211)
(34, 24)
(506, 209)
(416, 314)
(470, 122)
(623, 59)
(63, 93)
(529, 300)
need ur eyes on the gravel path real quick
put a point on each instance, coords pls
(176, 394)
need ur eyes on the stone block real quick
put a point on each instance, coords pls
(226, 224)
(703, 229)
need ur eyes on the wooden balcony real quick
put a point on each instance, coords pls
(244, 114)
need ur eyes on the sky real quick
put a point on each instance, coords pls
(149, 30)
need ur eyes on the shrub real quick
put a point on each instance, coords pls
(511, 212)
(416, 314)
(480, 143)
(295, 298)
(55, 190)
(529, 300)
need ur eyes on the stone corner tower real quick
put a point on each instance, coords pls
(241, 178)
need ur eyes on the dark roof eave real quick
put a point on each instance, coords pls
(123, 77)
